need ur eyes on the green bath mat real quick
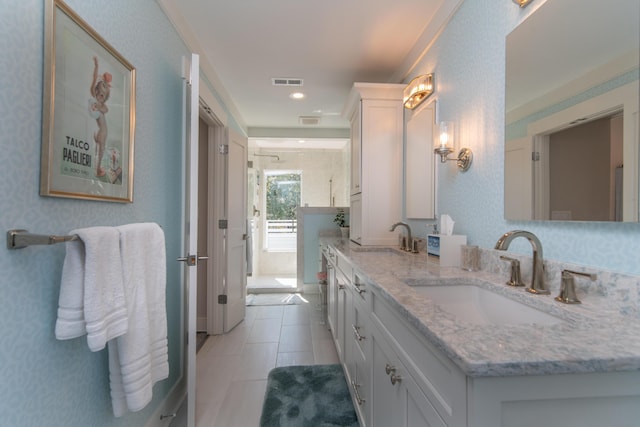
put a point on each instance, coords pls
(307, 396)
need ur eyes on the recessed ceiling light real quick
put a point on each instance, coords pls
(302, 141)
(296, 95)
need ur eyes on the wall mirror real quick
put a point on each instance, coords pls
(572, 122)
(419, 172)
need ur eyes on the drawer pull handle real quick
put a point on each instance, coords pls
(359, 289)
(356, 332)
(355, 387)
(340, 287)
(395, 379)
(389, 369)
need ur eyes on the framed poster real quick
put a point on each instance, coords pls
(88, 112)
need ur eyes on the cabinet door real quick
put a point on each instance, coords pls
(419, 411)
(355, 218)
(356, 151)
(332, 299)
(387, 399)
(361, 386)
(341, 317)
(397, 399)
(381, 170)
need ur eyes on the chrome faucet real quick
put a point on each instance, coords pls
(408, 247)
(537, 277)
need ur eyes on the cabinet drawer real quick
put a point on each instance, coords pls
(344, 265)
(440, 380)
(360, 330)
(361, 291)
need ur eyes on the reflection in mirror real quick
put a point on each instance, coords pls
(592, 190)
(573, 63)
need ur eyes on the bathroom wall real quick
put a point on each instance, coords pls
(468, 60)
(46, 382)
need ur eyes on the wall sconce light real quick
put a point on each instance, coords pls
(445, 146)
(522, 3)
(417, 91)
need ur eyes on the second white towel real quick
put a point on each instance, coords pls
(139, 358)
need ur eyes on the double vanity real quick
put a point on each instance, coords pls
(423, 345)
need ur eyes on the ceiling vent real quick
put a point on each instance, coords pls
(309, 120)
(282, 81)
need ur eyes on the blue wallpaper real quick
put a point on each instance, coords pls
(46, 382)
(469, 63)
(53, 383)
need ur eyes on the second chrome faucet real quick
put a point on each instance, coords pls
(409, 246)
(538, 285)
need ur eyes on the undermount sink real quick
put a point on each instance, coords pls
(477, 305)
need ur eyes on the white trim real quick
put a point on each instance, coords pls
(171, 11)
(170, 405)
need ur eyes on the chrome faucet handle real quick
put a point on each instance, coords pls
(568, 286)
(403, 245)
(516, 278)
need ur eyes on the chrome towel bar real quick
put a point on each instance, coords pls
(17, 239)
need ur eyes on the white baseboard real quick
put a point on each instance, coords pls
(201, 324)
(169, 405)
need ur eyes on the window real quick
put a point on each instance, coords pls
(282, 194)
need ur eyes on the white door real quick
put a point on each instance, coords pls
(237, 233)
(190, 221)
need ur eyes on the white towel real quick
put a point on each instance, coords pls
(139, 358)
(92, 298)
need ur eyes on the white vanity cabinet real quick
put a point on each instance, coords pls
(398, 377)
(395, 377)
(426, 388)
(376, 115)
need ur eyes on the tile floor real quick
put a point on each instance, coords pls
(233, 368)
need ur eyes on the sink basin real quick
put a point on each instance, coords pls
(480, 306)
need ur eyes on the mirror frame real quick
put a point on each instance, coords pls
(577, 99)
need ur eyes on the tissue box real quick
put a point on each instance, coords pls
(446, 248)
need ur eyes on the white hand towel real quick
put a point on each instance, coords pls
(92, 292)
(139, 358)
(70, 323)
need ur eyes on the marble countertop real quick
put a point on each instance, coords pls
(593, 337)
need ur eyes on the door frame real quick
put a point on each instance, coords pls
(215, 240)
(215, 285)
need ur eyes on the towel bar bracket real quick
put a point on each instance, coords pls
(18, 239)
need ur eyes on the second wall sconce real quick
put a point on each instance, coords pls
(417, 91)
(522, 3)
(445, 146)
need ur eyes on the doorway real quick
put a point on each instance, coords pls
(274, 198)
(283, 175)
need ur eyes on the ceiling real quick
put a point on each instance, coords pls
(244, 44)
